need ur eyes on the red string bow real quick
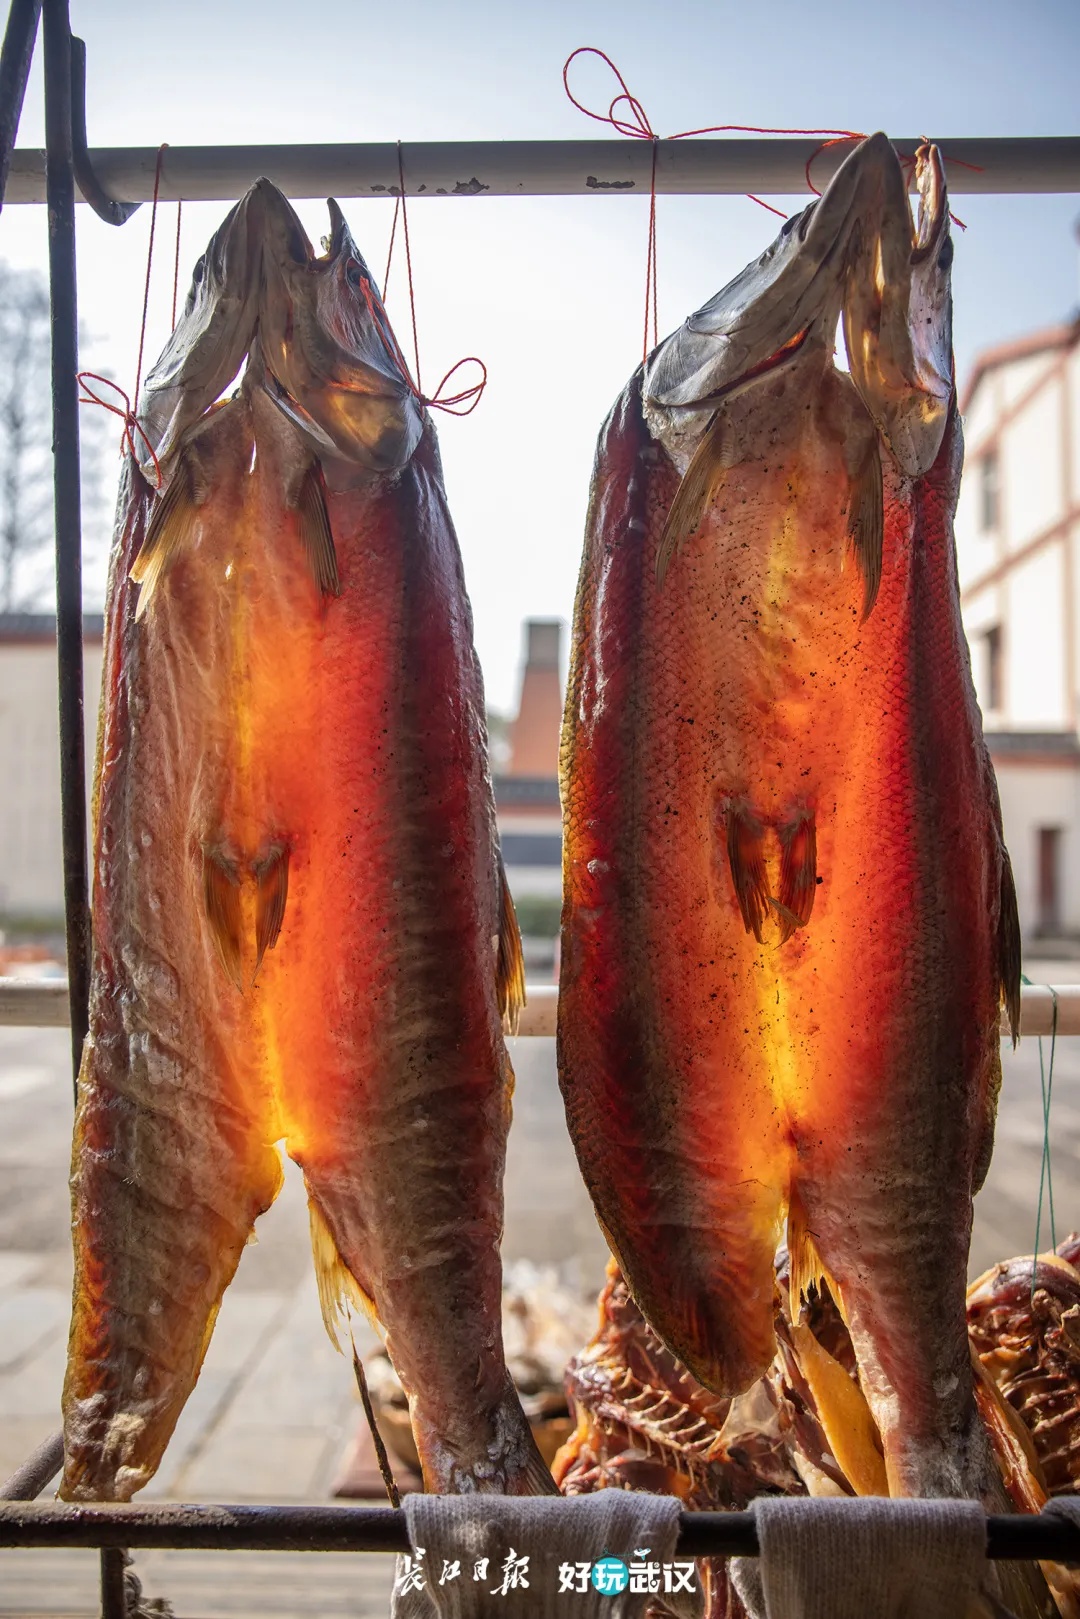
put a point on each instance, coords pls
(131, 422)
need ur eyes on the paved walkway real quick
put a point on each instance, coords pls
(274, 1410)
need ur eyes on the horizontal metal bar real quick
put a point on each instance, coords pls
(382, 1529)
(34, 1003)
(43, 1004)
(39, 1468)
(775, 167)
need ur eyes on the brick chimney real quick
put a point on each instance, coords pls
(534, 735)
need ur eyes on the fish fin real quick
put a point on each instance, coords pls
(806, 1266)
(338, 1286)
(272, 876)
(1012, 1444)
(1009, 945)
(746, 861)
(844, 1414)
(170, 531)
(315, 532)
(866, 524)
(510, 965)
(221, 902)
(536, 1477)
(700, 482)
(798, 872)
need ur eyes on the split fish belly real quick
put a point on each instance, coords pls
(905, 1061)
(677, 1021)
(394, 1083)
(767, 618)
(172, 1156)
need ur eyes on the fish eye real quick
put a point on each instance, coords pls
(199, 271)
(354, 275)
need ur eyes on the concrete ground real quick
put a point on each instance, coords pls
(274, 1410)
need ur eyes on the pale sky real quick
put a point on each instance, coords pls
(550, 291)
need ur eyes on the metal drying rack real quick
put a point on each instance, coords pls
(775, 166)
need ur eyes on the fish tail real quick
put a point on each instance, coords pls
(338, 1287)
(501, 1458)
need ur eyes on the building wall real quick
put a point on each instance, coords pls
(1022, 575)
(1034, 796)
(31, 870)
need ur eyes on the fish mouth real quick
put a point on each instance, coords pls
(332, 366)
(317, 302)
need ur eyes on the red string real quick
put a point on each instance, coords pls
(127, 415)
(149, 261)
(627, 115)
(467, 397)
(390, 249)
(470, 397)
(131, 422)
(176, 261)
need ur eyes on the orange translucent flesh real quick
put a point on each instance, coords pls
(711, 1079)
(295, 700)
(346, 731)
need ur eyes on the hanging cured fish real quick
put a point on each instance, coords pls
(301, 931)
(789, 916)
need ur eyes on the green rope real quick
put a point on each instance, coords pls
(1046, 1182)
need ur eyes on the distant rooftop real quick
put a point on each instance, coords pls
(1019, 348)
(42, 627)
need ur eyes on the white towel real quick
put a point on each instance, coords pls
(522, 1557)
(1067, 1507)
(868, 1558)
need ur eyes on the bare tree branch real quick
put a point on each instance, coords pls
(26, 472)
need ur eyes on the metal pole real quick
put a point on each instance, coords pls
(38, 1469)
(26, 1004)
(382, 1529)
(114, 1561)
(585, 168)
(15, 56)
(67, 504)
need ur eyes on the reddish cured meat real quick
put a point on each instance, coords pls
(789, 916)
(301, 928)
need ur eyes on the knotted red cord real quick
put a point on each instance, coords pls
(468, 397)
(127, 415)
(627, 115)
(89, 397)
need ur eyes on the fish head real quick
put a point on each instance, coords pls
(898, 317)
(333, 365)
(787, 301)
(211, 338)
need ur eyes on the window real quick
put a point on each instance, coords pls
(989, 491)
(994, 671)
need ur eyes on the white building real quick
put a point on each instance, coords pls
(527, 796)
(31, 864)
(1018, 551)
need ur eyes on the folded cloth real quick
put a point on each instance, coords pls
(868, 1558)
(1067, 1507)
(524, 1557)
